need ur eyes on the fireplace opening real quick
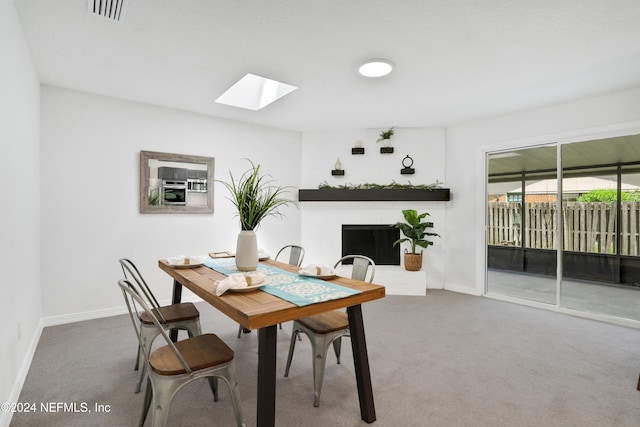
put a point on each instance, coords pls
(374, 241)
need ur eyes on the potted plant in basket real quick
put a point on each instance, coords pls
(415, 232)
(255, 197)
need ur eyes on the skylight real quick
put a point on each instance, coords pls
(254, 92)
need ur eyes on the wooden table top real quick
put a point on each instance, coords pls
(259, 309)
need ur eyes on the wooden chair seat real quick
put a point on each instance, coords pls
(326, 323)
(200, 352)
(174, 313)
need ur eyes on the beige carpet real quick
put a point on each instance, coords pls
(446, 359)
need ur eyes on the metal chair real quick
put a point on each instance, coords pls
(184, 316)
(173, 366)
(296, 255)
(326, 329)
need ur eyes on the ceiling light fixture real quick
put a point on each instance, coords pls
(376, 68)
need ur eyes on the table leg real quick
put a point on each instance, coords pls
(177, 297)
(361, 362)
(266, 415)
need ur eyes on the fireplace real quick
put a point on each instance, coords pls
(374, 241)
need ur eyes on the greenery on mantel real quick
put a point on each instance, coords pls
(369, 186)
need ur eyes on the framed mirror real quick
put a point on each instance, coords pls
(175, 183)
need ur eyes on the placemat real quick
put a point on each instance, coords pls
(292, 287)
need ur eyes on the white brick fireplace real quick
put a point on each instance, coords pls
(322, 239)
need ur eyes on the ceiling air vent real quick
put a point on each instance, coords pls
(110, 9)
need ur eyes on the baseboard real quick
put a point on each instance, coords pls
(462, 290)
(107, 312)
(6, 416)
(85, 315)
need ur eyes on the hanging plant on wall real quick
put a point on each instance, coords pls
(385, 139)
(385, 135)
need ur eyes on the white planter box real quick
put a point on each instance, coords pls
(397, 280)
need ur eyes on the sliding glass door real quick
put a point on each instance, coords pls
(596, 234)
(600, 212)
(521, 224)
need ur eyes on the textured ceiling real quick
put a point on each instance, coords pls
(456, 60)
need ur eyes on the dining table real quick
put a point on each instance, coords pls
(263, 311)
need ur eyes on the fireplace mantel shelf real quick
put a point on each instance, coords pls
(374, 195)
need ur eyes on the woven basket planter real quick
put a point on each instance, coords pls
(412, 262)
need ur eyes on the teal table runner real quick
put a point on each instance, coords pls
(292, 287)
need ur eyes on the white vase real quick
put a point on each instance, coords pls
(247, 251)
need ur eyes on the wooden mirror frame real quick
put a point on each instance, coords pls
(146, 208)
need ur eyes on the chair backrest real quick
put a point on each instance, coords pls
(361, 265)
(296, 254)
(133, 299)
(145, 292)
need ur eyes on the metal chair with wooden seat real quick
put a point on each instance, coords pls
(328, 328)
(296, 255)
(173, 366)
(183, 316)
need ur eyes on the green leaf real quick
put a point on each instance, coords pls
(255, 197)
(414, 229)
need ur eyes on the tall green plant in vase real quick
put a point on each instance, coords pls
(255, 197)
(416, 233)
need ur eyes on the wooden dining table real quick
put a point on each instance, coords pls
(263, 311)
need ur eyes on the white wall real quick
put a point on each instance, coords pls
(322, 221)
(610, 115)
(19, 208)
(90, 218)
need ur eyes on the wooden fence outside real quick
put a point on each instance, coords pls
(587, 227)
